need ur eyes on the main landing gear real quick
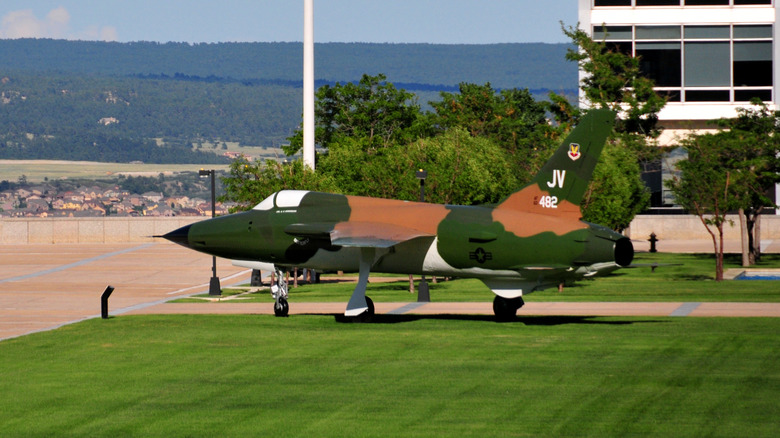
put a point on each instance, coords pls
(505, 309)
(359, 308)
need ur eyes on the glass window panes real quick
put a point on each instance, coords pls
(752, 63)
(752, 51)
(706, 32)
(746, 95)
(706, 2)
(707, 64)
(752, 31)
(707, 95)
(661, 62)
(752, 2)
(657, 2)
(699, 62)
(613, 33)
(658, 32)
(612, 3)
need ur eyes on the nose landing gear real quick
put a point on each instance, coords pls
(279, 294)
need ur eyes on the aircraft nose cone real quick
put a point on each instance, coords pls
(180, 236)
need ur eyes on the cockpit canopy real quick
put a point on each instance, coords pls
(282, 199)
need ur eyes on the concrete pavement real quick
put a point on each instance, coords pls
(45, 286)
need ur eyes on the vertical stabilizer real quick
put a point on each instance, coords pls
(558, 188)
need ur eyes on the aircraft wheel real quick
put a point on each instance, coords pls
(505, 309)
(281, 307)
(367, 315)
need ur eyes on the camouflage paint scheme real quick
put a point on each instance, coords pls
(532, 240)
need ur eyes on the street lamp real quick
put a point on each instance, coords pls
(423, 296)
(214, 286)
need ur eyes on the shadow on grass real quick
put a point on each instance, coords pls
(524, 320)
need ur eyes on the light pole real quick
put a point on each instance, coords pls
(423, 296)
(214, 286)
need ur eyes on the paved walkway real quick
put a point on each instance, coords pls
(43, 287)
(46, 286)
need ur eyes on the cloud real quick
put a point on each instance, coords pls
(56, 24)
(105, 33)
(20, 24)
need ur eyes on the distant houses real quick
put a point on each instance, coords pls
(46, 201)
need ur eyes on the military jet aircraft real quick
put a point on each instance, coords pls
(532, 240)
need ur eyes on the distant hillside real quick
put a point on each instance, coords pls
(534, 66)
(110, 101)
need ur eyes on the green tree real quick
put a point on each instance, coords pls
(248, 183)
(709, 183)
(371, 111)
(614, 80)
(510, 118)
(461, 169)
(758, 132)
(616, 193)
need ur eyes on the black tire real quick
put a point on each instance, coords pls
(367, 315)
(505, 309)
(281, 308)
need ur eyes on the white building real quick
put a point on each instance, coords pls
(709, 57)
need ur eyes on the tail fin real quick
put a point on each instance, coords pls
(558, 188)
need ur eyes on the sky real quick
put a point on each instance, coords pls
(197, 21)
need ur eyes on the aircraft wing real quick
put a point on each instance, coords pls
(356, 234)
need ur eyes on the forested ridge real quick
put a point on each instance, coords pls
(518, 65)
(103, 101)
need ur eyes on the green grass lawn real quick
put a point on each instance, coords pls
(399, 376)
(689, 278)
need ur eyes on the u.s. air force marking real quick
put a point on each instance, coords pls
(480, 255)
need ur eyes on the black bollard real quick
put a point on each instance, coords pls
(104, 302)
(423, 296)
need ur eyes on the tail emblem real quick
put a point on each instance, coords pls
(574, 151)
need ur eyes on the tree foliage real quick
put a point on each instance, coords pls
(718, 177)
(617, 193)
(461, 169)
(376, 137)
(511, 118)
(372, 110)
(757, 130)
(614, 80)
(248, 183)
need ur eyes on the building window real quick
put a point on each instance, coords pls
(658, 2)
(660, 62)
(707, 64)
(752, 64)
(700, 63)
(706, 2)
(612, 3)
